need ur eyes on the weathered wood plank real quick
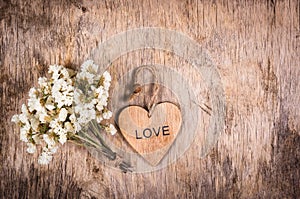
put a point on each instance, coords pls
(255, 46)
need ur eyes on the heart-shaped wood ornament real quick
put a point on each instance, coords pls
(151, 136)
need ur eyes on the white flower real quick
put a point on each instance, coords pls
(72, 118)
(42, 81)
(63, 114)
(54, 124)
(103, 98)
(102, 102)
(45, 157)
(99, 107)
(106, 85)
(24, 110)
(69, 126)
(62, 91)
(27, 126)
(107, 76)
(34, 123)
(77, 127)
(78, 96)
(49, 141)
(45, 85)
(86, 112)
(31, 148)
(23, 118)
(50, 103)
(15, 119)
(99, 118)
(53, 150)
(62, 138)
(99, 91)
(89, 66)
(65, 73)
(86, 76)
(111, 129)
(107, 114)
(34, 101)
(32, 93)
(86, 115)
(55, 70)
(42, 115)
(23, 134)
(86, 64)
(36, 138)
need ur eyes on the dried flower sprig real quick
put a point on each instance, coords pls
(57, 112)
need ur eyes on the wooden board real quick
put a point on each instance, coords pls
(255, 47)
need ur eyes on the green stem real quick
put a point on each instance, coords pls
(74, 141)
(88, 141)
(95, 131)
(102, 146)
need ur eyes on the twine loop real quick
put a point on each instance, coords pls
(138, 88)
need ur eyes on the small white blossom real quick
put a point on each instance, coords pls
(34, 101)
(86, 76)
(72, 118)
(42, 81)
(45, 157)
(63, 114)
(42, 115)
(99, 91)
(49, 141)
(89, 66)
(50, 103)
(107, 76)
(31, 148)
(106, 85)
(65, 73)
(34, 122)
(107, 114)
(55, 70)
(15, 119)
(77, 127)
(32, 93)
(53, 150)
(99, 118)
(24, 134)
(86, 115)
(23, 118)
(69, 127)
(54, 124)
(25, 110)
(62, 138)
(36, 138)
(99, 107)
(111, 129)
(62, 93)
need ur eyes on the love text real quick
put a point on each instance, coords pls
(149, 132)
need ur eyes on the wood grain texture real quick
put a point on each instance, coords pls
(255, 46)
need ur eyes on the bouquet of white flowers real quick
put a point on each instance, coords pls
(57, 112)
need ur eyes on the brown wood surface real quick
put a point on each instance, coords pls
(256, 48)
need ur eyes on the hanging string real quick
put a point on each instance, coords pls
(138, 89)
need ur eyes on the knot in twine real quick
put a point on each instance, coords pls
(138, 89)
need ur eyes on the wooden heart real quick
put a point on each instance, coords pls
(151, 136)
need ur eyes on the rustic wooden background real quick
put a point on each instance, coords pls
(256, 48)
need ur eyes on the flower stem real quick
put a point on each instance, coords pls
(93, 131)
